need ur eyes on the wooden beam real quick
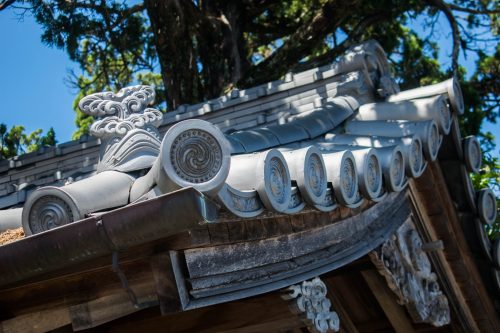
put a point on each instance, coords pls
(387, 300)
(454, 265)
(265, 313)
(166, 286)
(346, 323)
(111, 307)
(280, 325)
(41, 321)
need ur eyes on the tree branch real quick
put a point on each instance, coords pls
(5, 4)
(326, 20)
(353, 37)
(445, 9)
(473, 11)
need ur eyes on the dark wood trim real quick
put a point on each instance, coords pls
(442, 222)
(396, 314)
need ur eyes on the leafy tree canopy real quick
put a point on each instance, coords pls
(15, 141)
(196, 50)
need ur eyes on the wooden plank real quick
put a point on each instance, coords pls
(105, 309)
(297, 222)
(188, 239)
(387, 300)
(280, 325)
(284, 225)
(218, 233)
(95, 279)
(41, 321)
(166, 287)
(243, 316)
(254, 229)
(240, 256)
(237, 231)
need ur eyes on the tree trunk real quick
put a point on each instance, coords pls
(200, 47)
(172, 25)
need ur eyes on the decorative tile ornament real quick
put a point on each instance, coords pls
(408, 272)
(126, 126)
(309, 299)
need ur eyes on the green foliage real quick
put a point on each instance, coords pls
(195, 50)
(15, 141)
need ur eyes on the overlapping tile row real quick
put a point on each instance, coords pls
(332, 136)
(378, 147)
(271, 103)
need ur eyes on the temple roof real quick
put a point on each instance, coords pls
(338, 136)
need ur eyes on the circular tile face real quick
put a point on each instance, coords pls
(49, 212)
(196, 156)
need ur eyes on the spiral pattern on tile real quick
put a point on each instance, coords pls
(196, 156)
(49, 212)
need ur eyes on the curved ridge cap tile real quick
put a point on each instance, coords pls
(450, 88)
(49, 207)
(347, 102)
(269, 135)
(267, 173)
(235, 145)
(486, 206)
(339, 108)
(430, 108)
(240, 203)
(10, 218)
(308, 171)
(287, 133)
(472, 153)
(255, 140)
(314, 124)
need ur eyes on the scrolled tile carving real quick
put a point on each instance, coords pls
(127, 127)
(408, 272)
(309, 298)
(114, 125)
(122, 104)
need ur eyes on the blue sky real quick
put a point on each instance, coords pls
(33, 91)
(32, 88)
